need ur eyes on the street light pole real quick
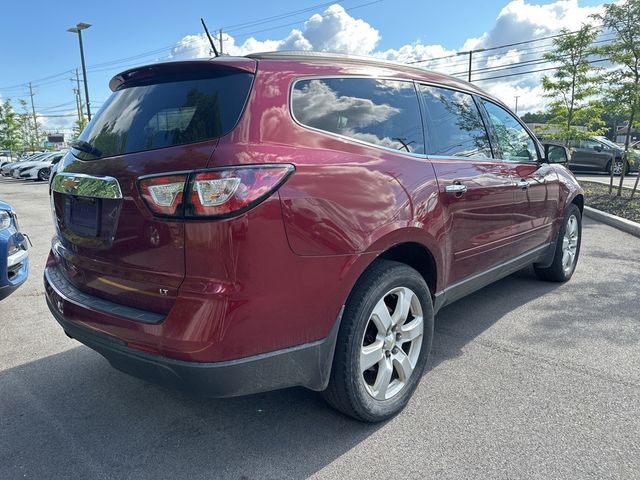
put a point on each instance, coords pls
(78, 29)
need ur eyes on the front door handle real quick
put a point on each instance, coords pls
(523, 184)
(455, 188)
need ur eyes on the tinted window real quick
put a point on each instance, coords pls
(514, 141)
(591, 144)
(161, 114)
(382, 112)
(454, 126)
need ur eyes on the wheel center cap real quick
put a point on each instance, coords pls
(389, 342)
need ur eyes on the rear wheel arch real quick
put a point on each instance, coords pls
(418, 257)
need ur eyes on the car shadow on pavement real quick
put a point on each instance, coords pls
(593, 307)
(70, 415)
(463, 321)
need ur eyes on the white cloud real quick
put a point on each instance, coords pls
(335, 30)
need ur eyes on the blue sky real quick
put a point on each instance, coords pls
(42, 47)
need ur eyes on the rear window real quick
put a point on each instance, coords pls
(163, 112)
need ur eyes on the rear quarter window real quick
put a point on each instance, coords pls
(380, 112)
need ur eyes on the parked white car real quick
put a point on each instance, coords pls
(38, 170)
(5, 157)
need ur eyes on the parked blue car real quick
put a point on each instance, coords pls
(14, 258)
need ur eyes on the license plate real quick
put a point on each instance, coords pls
(83, 215)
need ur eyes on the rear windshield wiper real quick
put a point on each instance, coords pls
(86, 147)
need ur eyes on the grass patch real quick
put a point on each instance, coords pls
(596, 195)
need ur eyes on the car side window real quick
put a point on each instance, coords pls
(380, 112)
(453, 125)
(514, 141)
(590, 144)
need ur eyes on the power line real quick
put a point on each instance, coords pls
(241, 26)
(533, 71)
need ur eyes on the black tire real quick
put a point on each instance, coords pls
(347, 389)
(43, 175)
(557, 272)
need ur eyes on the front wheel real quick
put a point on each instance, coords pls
(383, 344)
(617, 167)
(567, 248)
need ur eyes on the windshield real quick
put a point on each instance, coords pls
(608, 142)
(163, 112)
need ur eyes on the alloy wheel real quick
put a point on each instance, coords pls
(570, 244)
(391, 343)
(617, 168)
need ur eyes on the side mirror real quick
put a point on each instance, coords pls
(556, 153)
(597, 148)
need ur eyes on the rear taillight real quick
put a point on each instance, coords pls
(163, 194)
(220, 192)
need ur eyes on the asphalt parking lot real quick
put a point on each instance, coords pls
(527, 380)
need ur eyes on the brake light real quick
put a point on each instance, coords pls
(233, 190)
(163, 195)
(215, 193)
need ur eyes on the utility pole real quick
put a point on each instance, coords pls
(35, 119)
(470, 53)
(517, 97)
(220, 41)
(79, 100)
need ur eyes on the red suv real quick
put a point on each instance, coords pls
(238, 225)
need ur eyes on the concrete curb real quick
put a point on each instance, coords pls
(606, 182)
(614, 221)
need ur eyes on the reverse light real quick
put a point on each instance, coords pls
(220, 192)
(163, 194)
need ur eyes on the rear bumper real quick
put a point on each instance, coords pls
(307, 365)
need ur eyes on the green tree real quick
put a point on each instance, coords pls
(536, 117)
(623, 20)
(79, 125)
(9, 127)
(32, 136)
(572, 88)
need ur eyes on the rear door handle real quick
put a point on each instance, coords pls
(455, 188)
(523, 184)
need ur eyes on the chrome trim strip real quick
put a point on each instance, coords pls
(86, 185)
(17, 258)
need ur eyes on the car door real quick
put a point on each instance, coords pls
(537, 185)
(595, 156)
(475, 190)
